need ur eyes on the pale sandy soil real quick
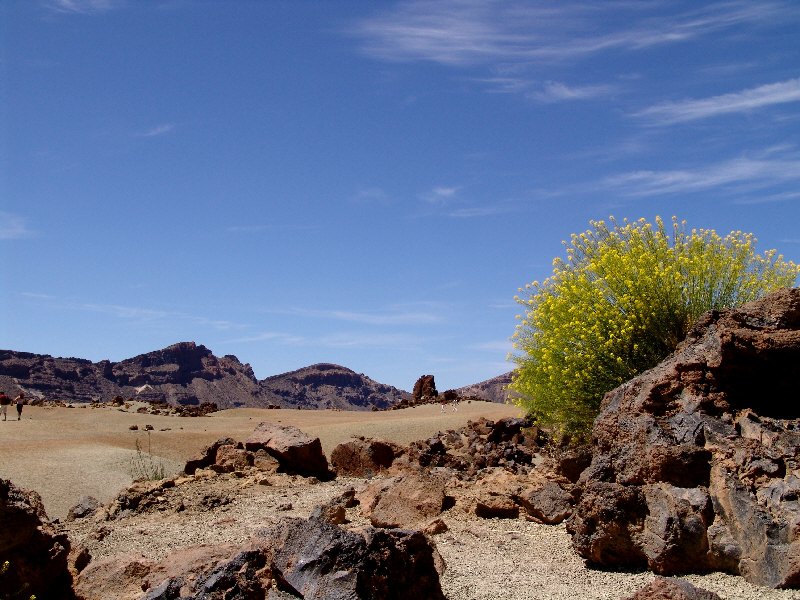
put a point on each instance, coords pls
(66, 453)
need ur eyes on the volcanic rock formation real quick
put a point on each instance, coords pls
(696, 462)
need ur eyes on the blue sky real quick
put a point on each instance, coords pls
(365, 183)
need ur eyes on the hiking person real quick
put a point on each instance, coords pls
(4, 402)
(20, 400)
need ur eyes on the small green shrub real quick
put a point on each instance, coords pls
(619, 304)
(144, 465)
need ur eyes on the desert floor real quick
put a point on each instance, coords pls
(65, 453)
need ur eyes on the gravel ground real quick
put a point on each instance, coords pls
(487, 559)
(67, 453)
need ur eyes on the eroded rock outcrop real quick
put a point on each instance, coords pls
(296, 451)
(36, 552)
(696, 462)
(301, 558)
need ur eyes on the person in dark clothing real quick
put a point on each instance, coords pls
(20, 400)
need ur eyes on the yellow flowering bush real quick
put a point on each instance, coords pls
(619, 303)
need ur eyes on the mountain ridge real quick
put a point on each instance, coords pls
(189, 374)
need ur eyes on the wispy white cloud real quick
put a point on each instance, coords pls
(157, 130)
(754, 173)
(371, 195)
(555, 91)
(369, 340)
(393, 316)
(470, 32)
(37, 296)
(503, 346)
(83, 6)
(704, 108)
(769, 198)
(13, 227)
(440, 195)
(472, 212)
(139, 314)
(271, 336)
(124, 312)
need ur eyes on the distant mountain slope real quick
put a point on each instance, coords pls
(493, 390)
(329, 386)
(188, 374)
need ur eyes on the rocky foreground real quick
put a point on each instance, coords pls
(693, 468)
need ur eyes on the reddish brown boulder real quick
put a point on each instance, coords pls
(207, 456)
(496, 506)
(546, 501)
(36, 552)
(362, 457)
(296, 451)
(407, 500)
(230, 458)
(672, 589)
(696, 462)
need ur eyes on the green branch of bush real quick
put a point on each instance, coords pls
(619, 303)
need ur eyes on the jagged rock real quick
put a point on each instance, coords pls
(264, 461)
(129, 576)
(546, 501)
(571, 462)
(424, 390)
(316, 560)
(404, 501)
(496, 506)
(335, 510)
(296, 451)
(85, 507)
(672, 589)
(207, 456)
(36, 552)
(363, 457)
(696, 462)
(232, 458)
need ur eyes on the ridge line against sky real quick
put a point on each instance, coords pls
(365, 184)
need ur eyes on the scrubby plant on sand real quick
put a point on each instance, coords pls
(619, 304)
(144, 466)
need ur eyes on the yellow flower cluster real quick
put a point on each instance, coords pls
(620, 302)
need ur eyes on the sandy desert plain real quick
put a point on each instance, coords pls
(66, 453)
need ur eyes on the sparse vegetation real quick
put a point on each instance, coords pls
(620, 303)
(8, 594)
(145, 466)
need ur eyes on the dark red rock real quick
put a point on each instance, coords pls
(207, 456)
(296, 451)
(36, 552)
(696, 462)
(362, 457)
(316, 560)
(672, 589)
